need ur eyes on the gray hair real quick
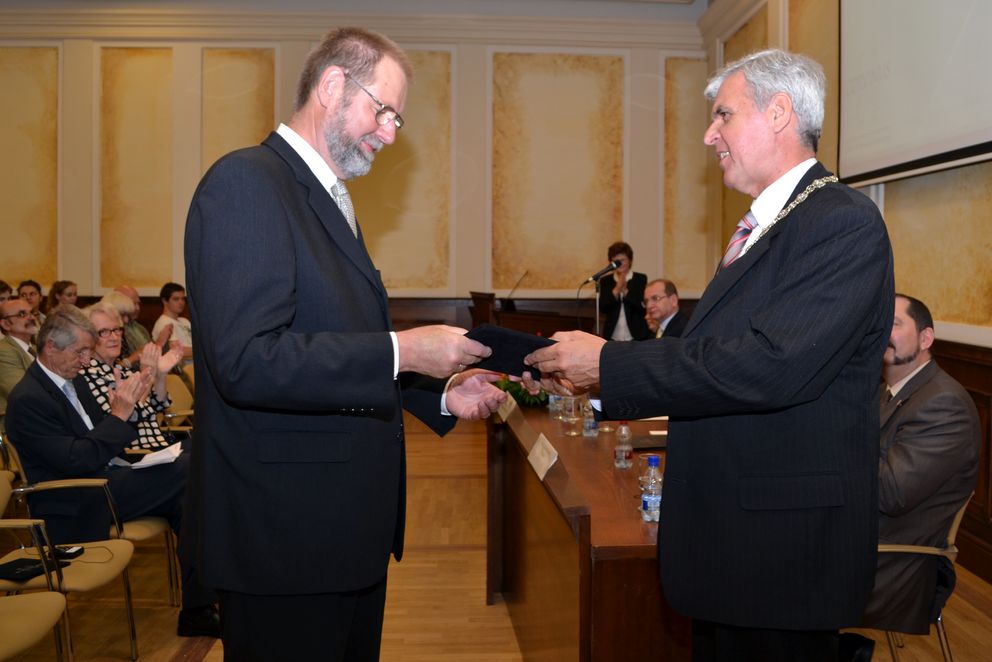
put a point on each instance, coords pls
(772, 71)
(61, 324)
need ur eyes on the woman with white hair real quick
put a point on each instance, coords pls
(104, 370)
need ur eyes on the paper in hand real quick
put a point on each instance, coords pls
(509, 348)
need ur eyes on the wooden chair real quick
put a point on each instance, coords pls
(949, 552)
(179, 416)
(26, 619)
(100, 562)
(136, 530)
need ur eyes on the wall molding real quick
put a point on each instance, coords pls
(407, 29)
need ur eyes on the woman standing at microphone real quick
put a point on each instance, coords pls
(621, 297)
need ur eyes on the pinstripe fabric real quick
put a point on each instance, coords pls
(769, 515)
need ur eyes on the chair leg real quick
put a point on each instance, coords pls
(59, 641)
(945, 646)
(130, 614)
(70, 654)
(175, 576)
(891, 638)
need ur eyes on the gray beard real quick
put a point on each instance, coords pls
(346, 152)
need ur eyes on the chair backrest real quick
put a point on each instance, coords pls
(14, 458)
(952, 533)
(5, 491)
(182, 399)
(188, 371)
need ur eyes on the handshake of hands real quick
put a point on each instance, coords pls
(569, 365)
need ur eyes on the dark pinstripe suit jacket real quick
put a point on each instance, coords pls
(298, 462)
(770, 506)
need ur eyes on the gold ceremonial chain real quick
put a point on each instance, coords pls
(817, 184)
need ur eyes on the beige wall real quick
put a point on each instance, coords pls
(139, 107)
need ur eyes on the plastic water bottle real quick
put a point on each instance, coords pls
(554, 405)
(623, 452)
(651, 491)
(589, 426)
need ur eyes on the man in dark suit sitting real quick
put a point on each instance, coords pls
(661, 301)
(927, 469)
(61, 432)
(768, 530)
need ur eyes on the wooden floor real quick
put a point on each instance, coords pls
(435, 609)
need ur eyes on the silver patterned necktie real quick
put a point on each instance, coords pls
(70, 392)
(343, 199)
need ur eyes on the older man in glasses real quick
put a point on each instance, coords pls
(661, 301)
(19, 324)
(298, 477)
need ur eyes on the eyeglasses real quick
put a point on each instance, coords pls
(22, 314)
(655, 298)
(104, 333)
(385, 114)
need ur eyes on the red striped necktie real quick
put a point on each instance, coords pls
(738, 240)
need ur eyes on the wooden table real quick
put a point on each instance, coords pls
(571, 556)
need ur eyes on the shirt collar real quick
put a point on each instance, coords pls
(310, 156)
(895, 388)
(58, 379)
(774, 198)
(20, 343)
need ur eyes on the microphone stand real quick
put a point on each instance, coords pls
(596, 308)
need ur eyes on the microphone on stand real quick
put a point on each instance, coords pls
(612, 266)
(507, 304)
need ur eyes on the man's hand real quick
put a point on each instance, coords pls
(472, 396)
(572, 362)
(128, 393)
(438, 351)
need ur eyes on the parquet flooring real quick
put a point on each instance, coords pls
(435, 609)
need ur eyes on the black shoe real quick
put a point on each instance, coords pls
(855, 647)
(199, 622)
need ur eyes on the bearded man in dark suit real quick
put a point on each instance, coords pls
(769, 519)
(298, 473)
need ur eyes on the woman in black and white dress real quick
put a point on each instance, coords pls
(104, 369)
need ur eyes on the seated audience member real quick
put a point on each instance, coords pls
(30, 291)
(173, 297)
(5, 291)
(17, 350)
(102, 378)
(136, 336)
(927, 468)
(62, 291)
(61, 432)
(621, 297)
(661, 301)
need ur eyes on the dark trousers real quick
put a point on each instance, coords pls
(331, 627)
(716, 642)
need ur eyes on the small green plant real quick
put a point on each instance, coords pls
(521, 395)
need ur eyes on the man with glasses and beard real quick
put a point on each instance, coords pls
(298, 479)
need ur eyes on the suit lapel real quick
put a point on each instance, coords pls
(327, 211)
(25, 358)
(906, 392)
(725, 279)
(69, 412)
